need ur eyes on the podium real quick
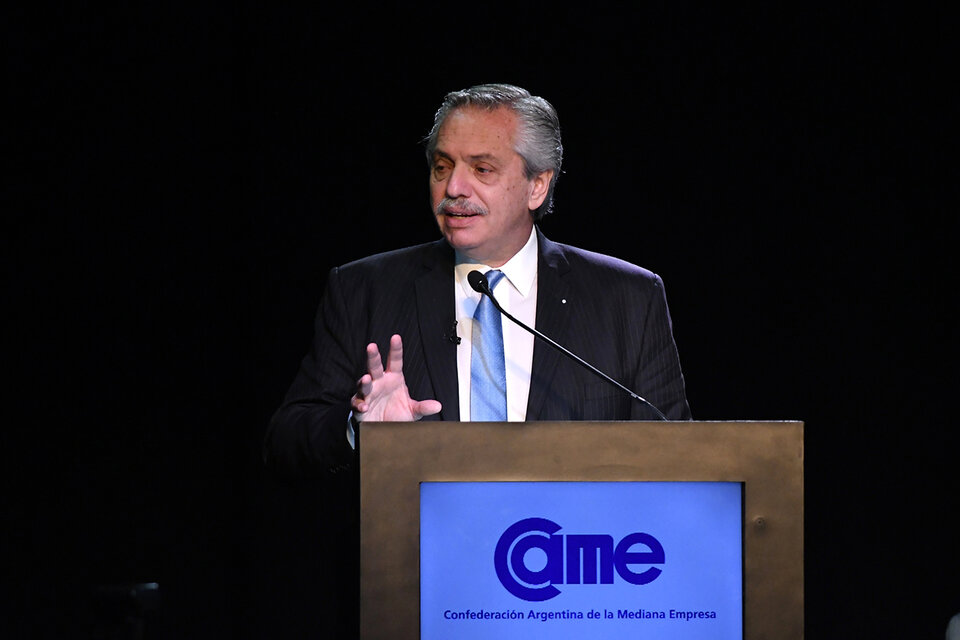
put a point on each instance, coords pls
(764, 458)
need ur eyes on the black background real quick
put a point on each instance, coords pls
(181, 178)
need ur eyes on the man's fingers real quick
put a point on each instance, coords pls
(364, 386)
(425, 408)
(374, 363)
(395, 355)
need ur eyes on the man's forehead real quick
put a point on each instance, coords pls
(477, 132)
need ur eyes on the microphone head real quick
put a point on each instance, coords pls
(479, 282)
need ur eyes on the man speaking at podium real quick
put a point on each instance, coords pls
(494, 155)
(571, 335)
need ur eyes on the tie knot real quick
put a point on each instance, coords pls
(493, 277)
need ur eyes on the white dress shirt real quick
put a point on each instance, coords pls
(517, 294)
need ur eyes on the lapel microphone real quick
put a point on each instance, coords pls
(479, 283)
(452, 336)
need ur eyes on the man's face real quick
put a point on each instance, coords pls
(480, 196)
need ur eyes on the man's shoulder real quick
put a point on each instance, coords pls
(412, 257)
(576, 260)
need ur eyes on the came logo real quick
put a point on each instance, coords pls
(584, 557)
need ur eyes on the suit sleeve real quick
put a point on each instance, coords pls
(307, 433)
(660, 379)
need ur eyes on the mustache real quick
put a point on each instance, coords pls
(458, 205)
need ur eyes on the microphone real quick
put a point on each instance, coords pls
(479, 283)
(452, 336)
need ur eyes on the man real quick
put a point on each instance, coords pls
(494, 155)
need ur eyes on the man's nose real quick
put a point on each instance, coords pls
(458, 186)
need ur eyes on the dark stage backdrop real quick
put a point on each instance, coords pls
(181, 178)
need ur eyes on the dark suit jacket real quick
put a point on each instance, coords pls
(610, 313)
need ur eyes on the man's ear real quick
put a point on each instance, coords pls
(540, 188)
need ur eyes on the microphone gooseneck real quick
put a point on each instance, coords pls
(479, 283)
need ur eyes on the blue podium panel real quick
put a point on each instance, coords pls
(581, 560)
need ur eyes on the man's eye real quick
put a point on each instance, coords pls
(440, 170)
(483, 170)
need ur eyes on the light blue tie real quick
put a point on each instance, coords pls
(488, 375)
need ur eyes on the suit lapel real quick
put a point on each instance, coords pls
(436, 317)
(552, 321)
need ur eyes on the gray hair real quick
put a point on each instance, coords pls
(538, 131)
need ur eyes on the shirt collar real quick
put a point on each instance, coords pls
(520, 270)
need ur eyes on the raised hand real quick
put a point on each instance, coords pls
(382, 394)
